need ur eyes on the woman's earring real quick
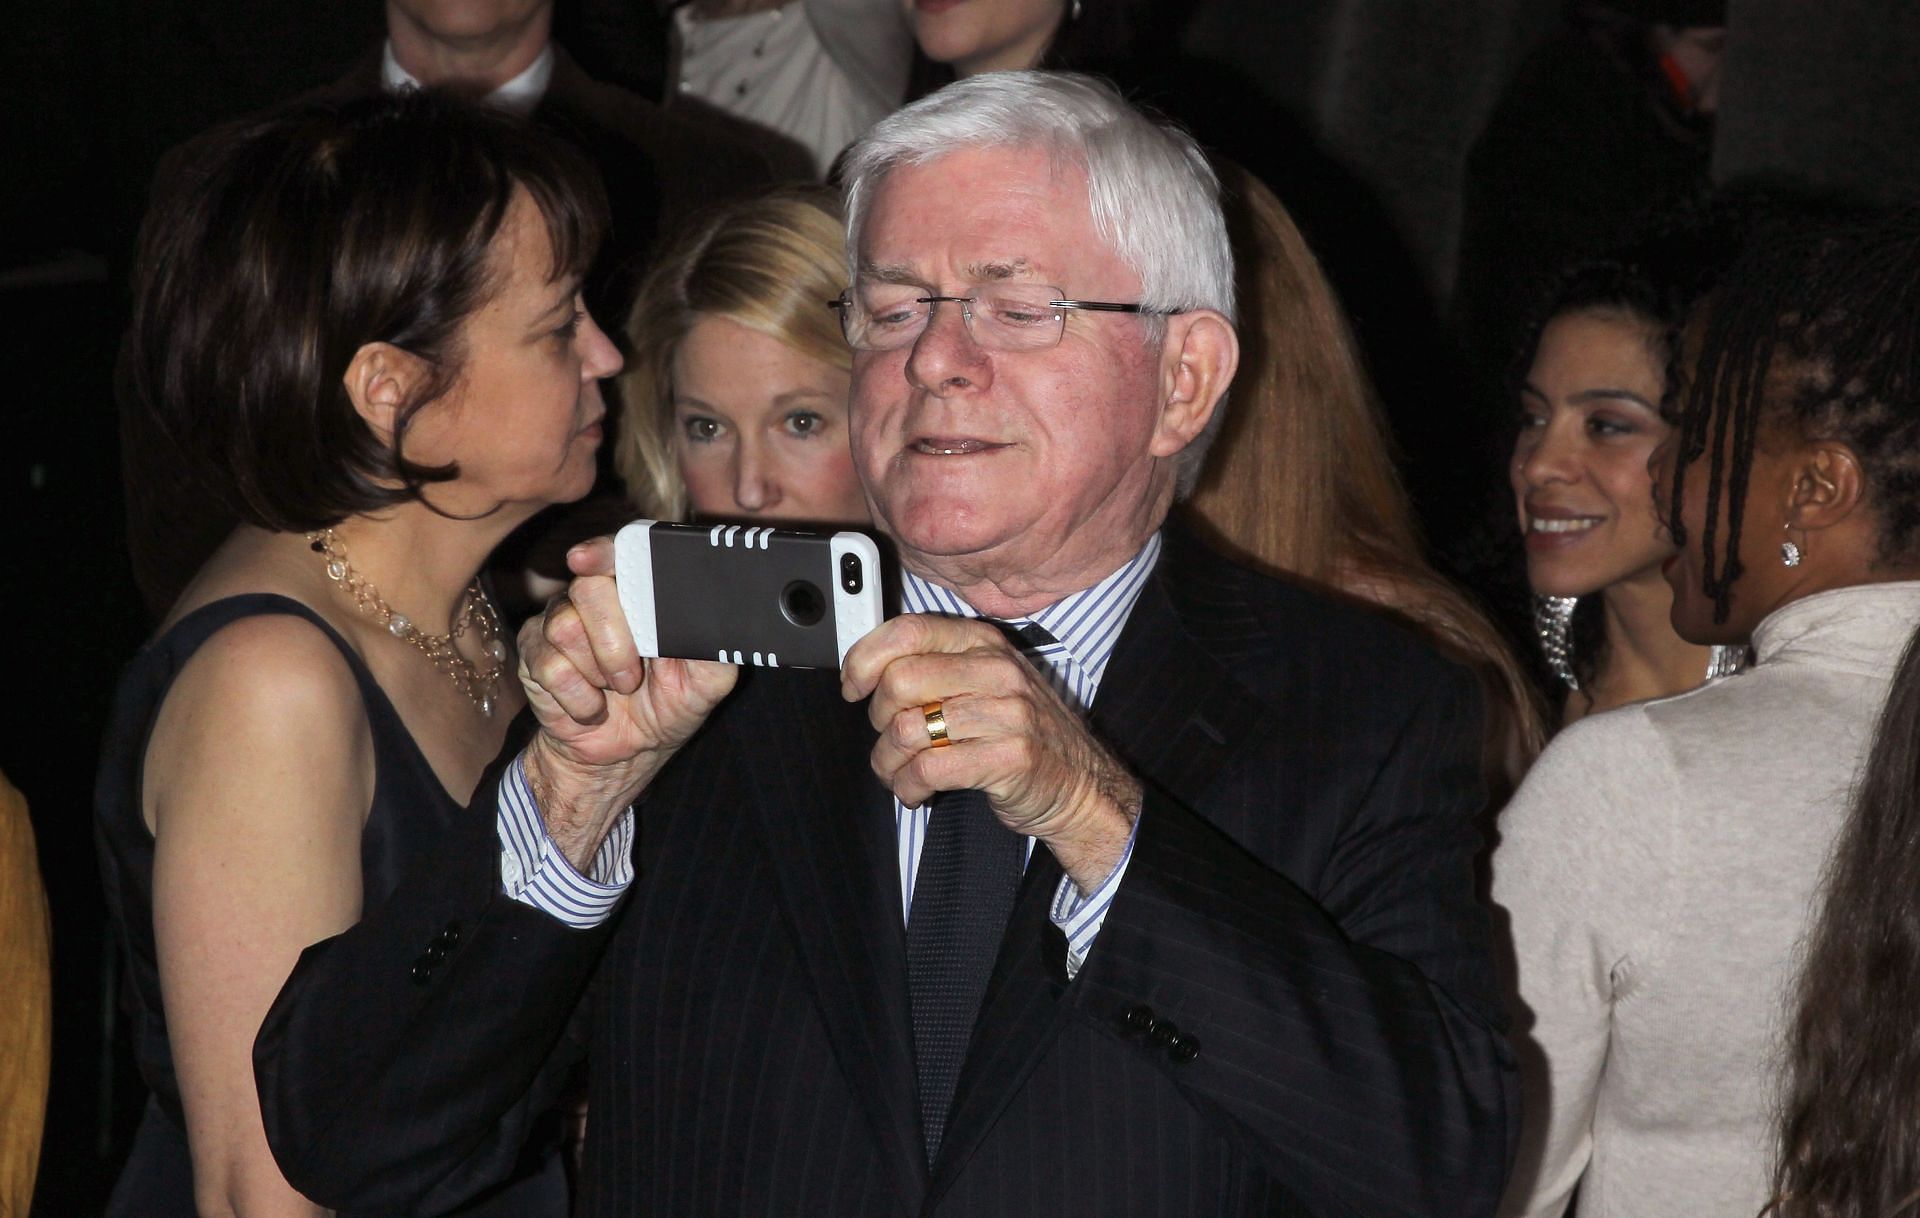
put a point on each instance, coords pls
(1790, 554)
(1073, 13)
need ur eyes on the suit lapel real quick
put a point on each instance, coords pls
(829, 826)
(1167, 705)
(1176, 716)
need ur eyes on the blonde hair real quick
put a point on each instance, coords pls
(769, 263)
(1303, 479)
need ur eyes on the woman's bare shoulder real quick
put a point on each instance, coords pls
(268, 699)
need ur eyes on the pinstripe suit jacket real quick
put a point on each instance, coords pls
(1299, 906)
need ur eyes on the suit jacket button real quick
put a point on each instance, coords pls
(450, 936)
(435, 953)
(1184, 1048)
(1137, 1019)
(422, 971)
(1164, 1033)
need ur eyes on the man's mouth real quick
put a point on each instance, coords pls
(942, 446)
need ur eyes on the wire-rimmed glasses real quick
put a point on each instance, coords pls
(999, 316)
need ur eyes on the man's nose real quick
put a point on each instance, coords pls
(944, 358)
(754, 487)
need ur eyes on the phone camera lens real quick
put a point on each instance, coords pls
(802, 604)
(850, 574)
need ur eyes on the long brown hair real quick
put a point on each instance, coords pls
(1302, 479)
(1850, 1116)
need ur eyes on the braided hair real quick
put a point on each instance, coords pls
(1818, 331)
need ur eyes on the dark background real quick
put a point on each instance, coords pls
(92, 92)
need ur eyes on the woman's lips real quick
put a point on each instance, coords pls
(1546, 534)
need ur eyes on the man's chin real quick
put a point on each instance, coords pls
(935, 529)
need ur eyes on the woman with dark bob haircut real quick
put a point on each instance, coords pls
(363, 330)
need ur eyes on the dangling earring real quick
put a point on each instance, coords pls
(1073, 13)
(1552, 625)
(1790, 554)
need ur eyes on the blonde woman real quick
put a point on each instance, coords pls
(736, 395)
(1302, 478)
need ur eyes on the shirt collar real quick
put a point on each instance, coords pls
(519, 95)
(1086, 623)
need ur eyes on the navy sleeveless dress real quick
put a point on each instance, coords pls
(411, 811)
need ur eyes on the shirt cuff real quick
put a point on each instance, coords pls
(533, 871)
(1079, 915)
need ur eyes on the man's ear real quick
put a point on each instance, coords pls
(1198, 362)
(1828, 486)
(380, 380)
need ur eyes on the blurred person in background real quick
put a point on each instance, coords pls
(26, 1005)
(817, 72)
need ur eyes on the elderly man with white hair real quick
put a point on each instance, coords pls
(1109, 879)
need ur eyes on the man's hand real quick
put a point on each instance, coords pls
(609, 719)
(1011, 737)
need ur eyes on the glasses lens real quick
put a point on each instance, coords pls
(1017, 317)
(1003, 317)
(883, 316)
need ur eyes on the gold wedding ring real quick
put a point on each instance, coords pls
(936, 725)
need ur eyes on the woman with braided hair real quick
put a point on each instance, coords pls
(1659, 863)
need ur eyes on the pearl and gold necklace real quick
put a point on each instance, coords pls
(476, 612)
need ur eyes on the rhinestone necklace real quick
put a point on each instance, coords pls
(476, 612)
(1553, 626)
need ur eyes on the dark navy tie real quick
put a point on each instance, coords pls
(970, 868)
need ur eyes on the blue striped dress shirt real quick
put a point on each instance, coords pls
(1083, 627)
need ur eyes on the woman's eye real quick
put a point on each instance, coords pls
(1529, 420)
(805, 422)
(571, 328)
(1603, 425)
(701, 430)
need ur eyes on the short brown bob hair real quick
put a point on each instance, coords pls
(286, 243)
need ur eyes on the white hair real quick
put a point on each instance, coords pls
(1153, 197)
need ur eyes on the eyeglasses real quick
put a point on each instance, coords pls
(1002, 317)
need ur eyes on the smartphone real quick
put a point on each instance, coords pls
(778, 598)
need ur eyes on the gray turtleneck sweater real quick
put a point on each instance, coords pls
(1659, 867)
